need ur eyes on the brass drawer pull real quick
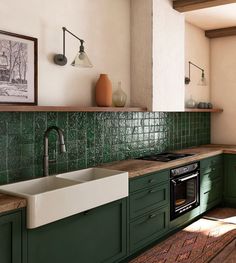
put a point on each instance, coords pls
(152, 191)
(152, 216)
(151, 181)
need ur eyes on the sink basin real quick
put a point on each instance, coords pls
(38, 186)
(55, 197)
(89, 174)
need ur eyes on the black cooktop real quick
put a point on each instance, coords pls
(165, 157)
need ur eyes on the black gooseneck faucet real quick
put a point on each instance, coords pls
(46, 160)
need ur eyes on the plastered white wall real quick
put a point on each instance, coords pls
(168, 57)
(141, 53)
(157, 55)
(103, 24)
(223, 93)
(197, 50)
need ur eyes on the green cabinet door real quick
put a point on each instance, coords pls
(230, 179)
(10, 238)
(211, 195)
(211, 183)
(148, 209)
(96, 236)
(148, 228)
(148, 199)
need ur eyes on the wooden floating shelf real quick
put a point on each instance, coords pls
(190, 5)
(204, 110)
(222, 32)
(14, 108)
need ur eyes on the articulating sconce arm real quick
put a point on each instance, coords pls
(60, 59)
(188, 79)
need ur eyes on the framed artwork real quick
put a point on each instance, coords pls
(18, 69)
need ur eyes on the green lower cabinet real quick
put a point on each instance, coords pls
(148, 180)
(112, 232)
(214, 173)
(230, 179)
(211, 183)
(149, 209)
(96, 236)
(148, 199)
(11, 238)
(208, 164)
(211, 195)
(148, 228)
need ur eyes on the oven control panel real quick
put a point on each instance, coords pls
(184, 169)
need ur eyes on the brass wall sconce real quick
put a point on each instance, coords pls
(202, 81)
(81, 59)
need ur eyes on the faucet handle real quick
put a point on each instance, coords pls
(54, 157)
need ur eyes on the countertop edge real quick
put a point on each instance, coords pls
(9, 203)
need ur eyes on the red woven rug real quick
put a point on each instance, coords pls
(197, 243)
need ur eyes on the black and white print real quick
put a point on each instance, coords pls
(18, 68)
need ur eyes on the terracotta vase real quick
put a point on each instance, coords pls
(104, 91)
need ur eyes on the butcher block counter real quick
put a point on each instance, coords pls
(137, 168)
(140, 167)
(9, 203)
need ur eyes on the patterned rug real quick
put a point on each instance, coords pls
(199, 242)
(227, 215)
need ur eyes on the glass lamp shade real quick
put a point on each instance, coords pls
(81, 60)
(202, 81)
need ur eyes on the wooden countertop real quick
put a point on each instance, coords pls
(230, 149)
(8, 203)
(140, 167)
(136, 168)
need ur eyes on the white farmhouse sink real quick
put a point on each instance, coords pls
(89, 174)
(38, 186)
(55, 197)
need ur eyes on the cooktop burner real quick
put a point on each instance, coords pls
(165, 157)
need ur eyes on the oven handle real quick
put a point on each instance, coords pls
(187, 178)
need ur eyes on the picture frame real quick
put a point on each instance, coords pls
(18, 69)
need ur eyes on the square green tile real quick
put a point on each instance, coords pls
(92, 138)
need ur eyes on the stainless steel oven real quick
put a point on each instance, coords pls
(185, 189)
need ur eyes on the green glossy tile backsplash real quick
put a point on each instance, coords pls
(92, 138)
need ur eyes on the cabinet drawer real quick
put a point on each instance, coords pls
(211, 195)
(208, 163)
(148, 228)
(149, 199)
(230, 179)
(213, 173)
(148, 180)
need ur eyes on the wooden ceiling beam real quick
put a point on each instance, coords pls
(190, 5)
(222, 32)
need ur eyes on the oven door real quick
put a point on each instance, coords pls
(185, 193)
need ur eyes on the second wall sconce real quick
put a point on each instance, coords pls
(81, 59)
(202, 81)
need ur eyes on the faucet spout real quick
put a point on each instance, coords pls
(46, 148)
